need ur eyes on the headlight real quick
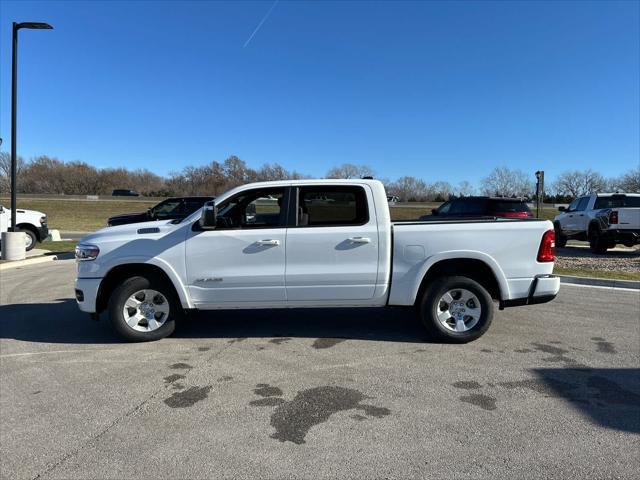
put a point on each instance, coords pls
(86, 252)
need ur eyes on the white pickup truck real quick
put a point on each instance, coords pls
(313, 243)
(31, 222)
(604, 219)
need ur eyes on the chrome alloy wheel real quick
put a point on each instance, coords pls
(146, 310)
(458, 310)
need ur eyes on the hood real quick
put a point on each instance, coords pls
(130, 231)
(23, 211)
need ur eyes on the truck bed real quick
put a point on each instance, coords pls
(508, 246)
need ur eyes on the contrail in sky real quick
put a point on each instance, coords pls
(260, 24)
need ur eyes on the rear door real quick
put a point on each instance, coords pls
(332, 248)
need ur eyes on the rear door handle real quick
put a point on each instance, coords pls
(268, 242)
(360, 240)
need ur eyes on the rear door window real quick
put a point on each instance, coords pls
(501, 206)
(332, 206)
(582, 204)
(473, 206)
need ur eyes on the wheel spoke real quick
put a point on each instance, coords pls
(132, 302)
(162, 307)
(466, 295)
(460, 326)
(133, 320)
(473, 312)
(153, 323)
(444, 316)
(447, 298)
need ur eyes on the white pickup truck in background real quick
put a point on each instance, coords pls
(313, 243)
(604, 219)
(31, 222)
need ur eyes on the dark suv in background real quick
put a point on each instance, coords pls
(475, 207)
(169, 209)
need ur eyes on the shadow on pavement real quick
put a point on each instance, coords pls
(62, 322)
(610, 397)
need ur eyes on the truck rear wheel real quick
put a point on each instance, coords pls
(142, 310)
(456, 309)
(561, 238)
(596, 242)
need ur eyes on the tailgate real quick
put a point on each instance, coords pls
(628, 218)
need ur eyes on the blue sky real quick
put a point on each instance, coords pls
(439, 90)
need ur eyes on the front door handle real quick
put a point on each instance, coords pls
(268, 242)
(360, 240)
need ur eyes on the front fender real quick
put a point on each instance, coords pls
(165, 266)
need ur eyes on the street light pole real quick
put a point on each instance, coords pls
(14, 106)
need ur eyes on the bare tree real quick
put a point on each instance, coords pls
(629, 182)
(349, 170)
(465, 189)
(5, 171)
(507, 183)
(409, 189)
(440, 191)
(574, 183)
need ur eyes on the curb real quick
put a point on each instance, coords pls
(600, 282)
(28, 261)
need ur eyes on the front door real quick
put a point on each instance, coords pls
(243, 260)
(332, 251)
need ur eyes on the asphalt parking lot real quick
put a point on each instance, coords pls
(550, 391)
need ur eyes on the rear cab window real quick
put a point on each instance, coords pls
(332, 206)
(617, 201)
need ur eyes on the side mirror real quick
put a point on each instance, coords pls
(562, 209)
(150, 214)
(434, 211)
(209, 215)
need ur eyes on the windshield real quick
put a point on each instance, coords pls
(195, 215)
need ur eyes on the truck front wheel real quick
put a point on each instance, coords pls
(456, 309)
(30, 238)
(142, 309)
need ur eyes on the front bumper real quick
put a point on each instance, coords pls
(543, 289)
(43, 233)
(87, 293)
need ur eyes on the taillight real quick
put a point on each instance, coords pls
(512, 214)
(547, 250)
(613, 217)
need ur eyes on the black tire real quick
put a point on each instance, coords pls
(122, 293)
(32, 238)
(561, 238)
(430, 302)
(597, 244)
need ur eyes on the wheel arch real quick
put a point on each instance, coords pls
(117, 274)
(31, 228)
(478, 269)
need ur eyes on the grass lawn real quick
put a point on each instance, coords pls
(587, 272)
(80, 215)
(66, 246)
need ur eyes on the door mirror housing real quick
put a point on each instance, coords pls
(434, 211)
(209, 216)
(562, 209)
